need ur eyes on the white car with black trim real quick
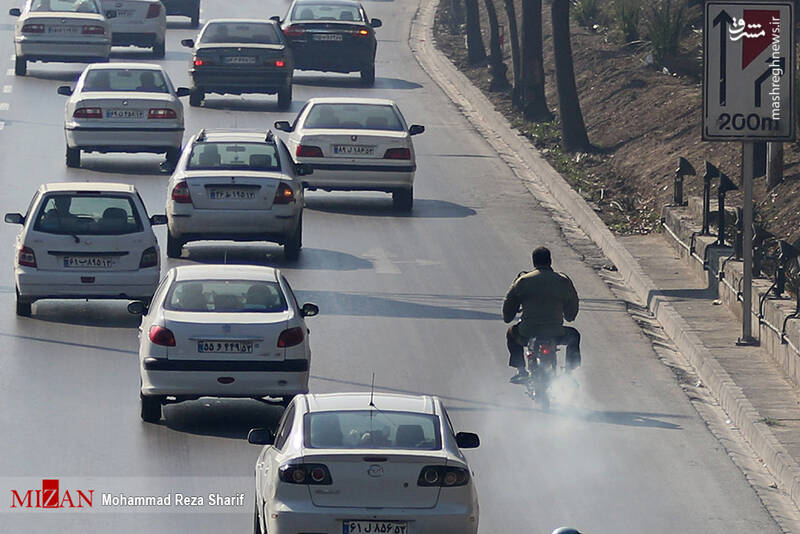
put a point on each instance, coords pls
(123, 107)
(141, 23)
(85, 240)
(222, 331)
(349, 463)
(355, 144)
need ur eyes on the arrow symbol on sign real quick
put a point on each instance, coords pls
(767, 73)
(723, 19)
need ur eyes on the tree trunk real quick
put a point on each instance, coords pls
(476, 53)
(456, 16)
(513, 39)
(497, 67)
(532, 97)
(774, 164)
(573, 131)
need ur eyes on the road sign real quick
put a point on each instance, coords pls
(748, 89)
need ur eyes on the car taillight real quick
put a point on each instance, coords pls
(161, 336)
(294, 31)
(33, 28)
(280, 63)
(545, 349)
(308, 151)
(310, 474)
(199, 62)
(93, 30)
(27, 257)
(290, 337)
(180, 193)
(149, 258)
(397, 153)
(283, 195)
(442, 475)
(88, 113)
(153, 11)
(162, 113)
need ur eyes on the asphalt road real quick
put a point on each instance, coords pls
(413, 299)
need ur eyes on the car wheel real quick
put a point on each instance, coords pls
(368, 76)
(20, 66)
(151, 408)
(285, 97)
(403, 199)
(256, 522)
(174, 246)
(160, 50)
(196, 97)
(73, 157)
(173, 155)
(291, 249)
(196, 16)
(23, 308)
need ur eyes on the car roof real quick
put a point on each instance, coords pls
(224, 134)
(349, 100)
(87, 186)
(361, 401)
(225, 272)
(124, 65)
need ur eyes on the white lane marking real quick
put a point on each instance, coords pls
(2, 125)
(10, 72)
(3, 106)
(7, 88)
(13, 57)
(381, 263)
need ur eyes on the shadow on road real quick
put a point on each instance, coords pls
(122, 163)
(380, 206)
(104, 314)
(70, 76)
(271, 255)
(334, 80)
(251, 103)
(225, 418)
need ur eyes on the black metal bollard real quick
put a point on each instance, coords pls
(725, 185)
(711, 173)
(787, 254)
(684, 169)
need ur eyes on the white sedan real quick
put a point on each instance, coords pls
(350, 463)
(355, 144)
(222, 331)
(85, 240)
(138, 23)
(60, 30)
(123, 107)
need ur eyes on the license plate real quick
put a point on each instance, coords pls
(327, 37)
(124, 114)
(126, 12)
(240, 60)
(63, 29)
(230, 347)
(354, 150)
(373, 527)
(78, 262)
(231, 194)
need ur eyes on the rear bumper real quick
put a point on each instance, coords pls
(39, 284)
(124, 139)
(181, 7)
(329, 58)
(238, 82)
(275, 225)
(359, 177)
(58, 51)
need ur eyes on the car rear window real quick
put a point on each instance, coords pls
(235, 296)
(141, 80)
(326, 12)
(65, 6)
(354, 117)
(88, 214)
(240, 32)
(372, 429)
(234, 156)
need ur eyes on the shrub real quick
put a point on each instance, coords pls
(627, 14)
(663, 25)
(586, 12)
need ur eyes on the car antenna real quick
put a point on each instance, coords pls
(225, 257)
(372, 392)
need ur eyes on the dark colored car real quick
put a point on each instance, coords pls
(332, 36)
(186, 8)
(237, 56)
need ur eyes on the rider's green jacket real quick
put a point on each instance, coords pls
(546, 297)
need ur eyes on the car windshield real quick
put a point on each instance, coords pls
(354, 117)
(234, 156)
(88, 214)
(139, 80)
(372, 429)
(327, 12)
(234, 296)
(65, 6)
(240, 32)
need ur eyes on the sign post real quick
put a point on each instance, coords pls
(748, 95)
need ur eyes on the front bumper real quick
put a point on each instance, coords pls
(124, 139)
(236, 82)
(275, 225)
(39, 284)
(62, 51)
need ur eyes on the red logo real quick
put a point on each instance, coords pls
(51, 497)
(758, 33)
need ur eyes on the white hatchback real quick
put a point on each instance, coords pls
(222, 331)
(123, 107)
(140, 23)
(348, 463)
(85, 240)
(355, 144)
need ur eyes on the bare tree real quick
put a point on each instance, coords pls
(532, 97)
(573, 130)
(513, 39)
(774, 164)
(497, 67)
(476, 53)
(456, 16)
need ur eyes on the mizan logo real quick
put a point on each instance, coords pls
(50, 496)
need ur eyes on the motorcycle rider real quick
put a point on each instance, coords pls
(546, 298)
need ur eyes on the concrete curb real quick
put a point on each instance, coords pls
(547, 185)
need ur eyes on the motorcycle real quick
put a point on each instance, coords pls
(541, 360)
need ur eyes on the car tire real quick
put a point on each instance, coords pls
(195, 16)
(291, 249)
(23, 308)
(20, 66)
(368, 76)
(73, 157)
(403, 199)
(256, 522)
(172, 156)
(196, 97)
(285, 97)
(160, 50)
(151, 408)
(174, 246)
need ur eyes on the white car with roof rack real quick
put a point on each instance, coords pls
(222, 331)
(140, 23)
(239, 185)
(85, 240)
(349, 463)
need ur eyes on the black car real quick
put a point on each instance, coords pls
(332, 36)
(237, 56)
(187, 8)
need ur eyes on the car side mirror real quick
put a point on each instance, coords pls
(376, 23)
(467, 440)
(183, 91)
(14, 12)
(416, 129)
(309, 309)
(188, 43)
(260, 436)
(303, 169)
(156, 220)
(65, 90)
(276, 18)
(283, 126)
(111, 14)
(137, 307)
(14, 218)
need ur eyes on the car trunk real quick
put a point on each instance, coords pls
(329, 34)
(56, 27)
(126, 10)
(128, 112)
(247, 57)
(101, 253)
(232, 190)
(356, 144)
